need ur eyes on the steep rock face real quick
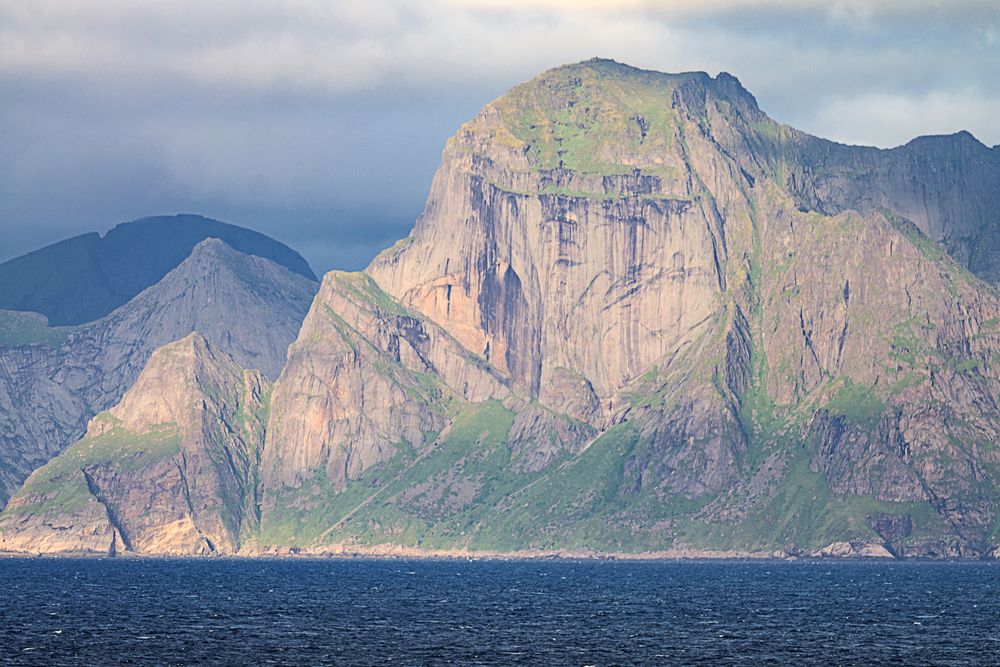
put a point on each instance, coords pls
(946, 185)
(654, 256)
(84, 278)
(365, 382)
(576, 243)
(53, 380)
(170, 469)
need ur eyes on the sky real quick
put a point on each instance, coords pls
(321, 123)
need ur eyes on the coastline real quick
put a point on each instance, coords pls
(837, 551)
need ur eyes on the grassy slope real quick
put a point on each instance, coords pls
(580, 121)
(59, 485)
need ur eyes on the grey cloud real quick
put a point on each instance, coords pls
(321, 123)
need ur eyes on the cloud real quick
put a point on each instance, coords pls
(837, 11)
(321, 122)
(890, 120)
(345, 47)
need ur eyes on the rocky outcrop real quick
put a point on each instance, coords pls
(851, 550)
(366, 381)
(53, 380)
(171, 469)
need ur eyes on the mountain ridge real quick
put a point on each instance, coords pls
(85, 277)
(55, 380)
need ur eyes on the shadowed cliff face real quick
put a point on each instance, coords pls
(171, 469)
(946, 185)
(53, 380)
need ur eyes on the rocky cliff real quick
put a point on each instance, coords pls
(637, 315)
(946, 185)
(169, 470)
(54, 379)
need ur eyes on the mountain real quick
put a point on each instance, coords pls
(728, 336)
(54, 379)
(168, 470)
(638, 316)
(84, 278)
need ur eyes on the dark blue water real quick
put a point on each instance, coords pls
(240, 612)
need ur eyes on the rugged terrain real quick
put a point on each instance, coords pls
(53, 380)
(168, 470)
(636, 316)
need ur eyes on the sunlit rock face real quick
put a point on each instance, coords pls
(53, 380)
(169, 470)
(566, 238)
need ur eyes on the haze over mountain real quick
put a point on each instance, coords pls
(86, 277)
(54, 379)
(637, 315)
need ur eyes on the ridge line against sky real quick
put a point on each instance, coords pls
(321, 123)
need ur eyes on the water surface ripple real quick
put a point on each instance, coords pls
(302, 612)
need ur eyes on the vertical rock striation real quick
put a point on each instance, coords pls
(652, 250)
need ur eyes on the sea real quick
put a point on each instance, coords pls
(452, 612)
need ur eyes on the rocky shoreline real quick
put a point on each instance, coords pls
(836, 551)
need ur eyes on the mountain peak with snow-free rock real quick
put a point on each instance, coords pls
(84, 278)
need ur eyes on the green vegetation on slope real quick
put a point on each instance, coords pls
(60, 486)
(857, 403)
(803, 512)
(414, 499)
(577, 117)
